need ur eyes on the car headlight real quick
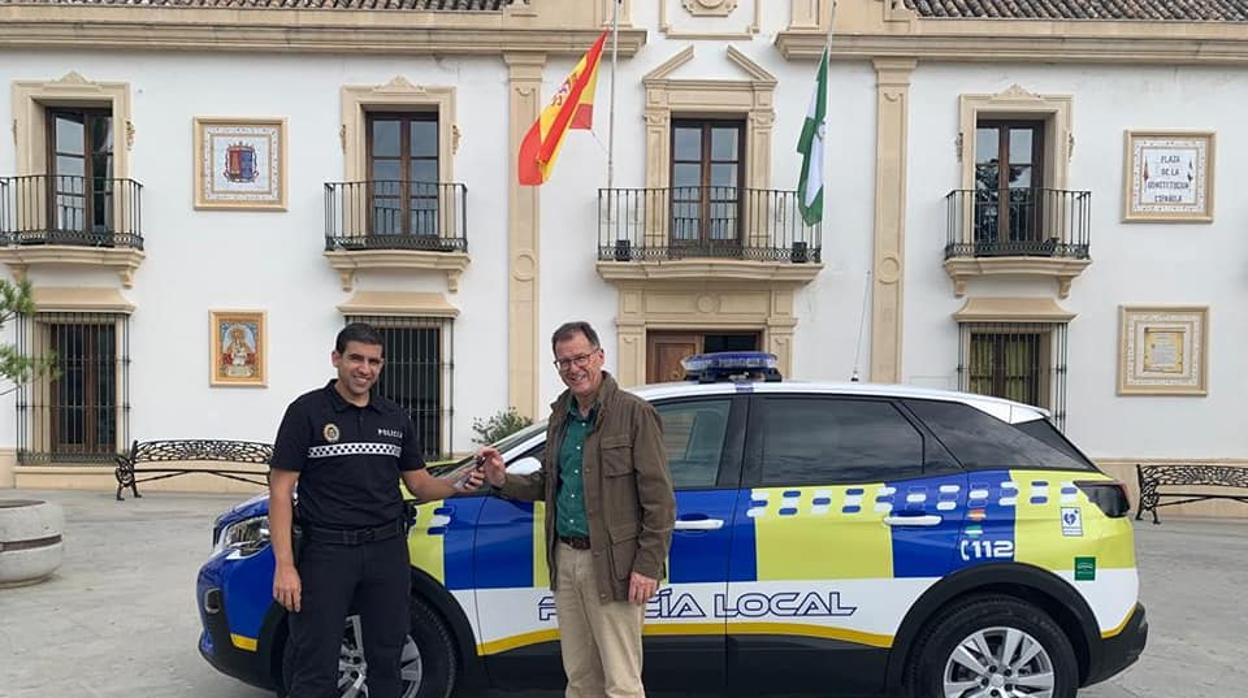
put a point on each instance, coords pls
(246, 537)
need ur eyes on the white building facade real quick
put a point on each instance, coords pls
(1039, 207)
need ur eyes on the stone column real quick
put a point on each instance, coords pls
(524, 71)
(892, 115)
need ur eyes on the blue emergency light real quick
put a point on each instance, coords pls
(731, 366)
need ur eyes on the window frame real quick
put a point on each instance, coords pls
(405, 159)
(935, 458)
(728, 476)
(88, 115)
(706, 162)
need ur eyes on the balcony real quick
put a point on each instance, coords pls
(1020, 232)
(396, 225)
(57, 220)
(705, 233)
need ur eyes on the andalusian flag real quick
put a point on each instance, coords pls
(810, 183)
(571, 107)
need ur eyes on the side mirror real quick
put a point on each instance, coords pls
(524, 466)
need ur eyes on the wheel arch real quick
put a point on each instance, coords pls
(440, 600)
(1035, 585)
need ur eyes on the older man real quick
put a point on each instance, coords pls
(609, 516)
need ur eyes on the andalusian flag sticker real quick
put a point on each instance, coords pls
(1085, 569)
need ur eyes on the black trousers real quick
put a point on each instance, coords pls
(375, 580)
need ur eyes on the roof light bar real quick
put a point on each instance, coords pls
(733, 366)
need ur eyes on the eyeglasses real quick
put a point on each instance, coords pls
(580, 361)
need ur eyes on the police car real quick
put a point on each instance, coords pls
(849, 539)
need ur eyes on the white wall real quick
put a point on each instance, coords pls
(198, 260)
(1197, 264)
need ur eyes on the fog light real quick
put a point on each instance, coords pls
(212, 601)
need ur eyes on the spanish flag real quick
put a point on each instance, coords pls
(571, 107)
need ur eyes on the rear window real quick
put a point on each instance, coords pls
(980, 440)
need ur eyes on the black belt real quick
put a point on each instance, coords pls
(578, 542)
(353, 536)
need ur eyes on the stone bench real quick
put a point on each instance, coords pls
(146, 461)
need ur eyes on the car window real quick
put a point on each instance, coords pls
(979, 440)
(693, 434)
(825, 440)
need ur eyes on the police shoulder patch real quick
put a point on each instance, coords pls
(330, 432)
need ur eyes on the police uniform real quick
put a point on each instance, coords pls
(352, 552)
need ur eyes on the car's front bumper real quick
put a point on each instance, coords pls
(1113, 654)
(239, 634)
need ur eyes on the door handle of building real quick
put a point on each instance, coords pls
(700, 525)
(926, 520)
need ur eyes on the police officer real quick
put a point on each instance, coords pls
(345, 448)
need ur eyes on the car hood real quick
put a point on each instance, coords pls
(256, 506)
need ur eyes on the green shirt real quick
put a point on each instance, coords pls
(570, 502)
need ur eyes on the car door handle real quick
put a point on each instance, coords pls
(700, 525)
(926, 520)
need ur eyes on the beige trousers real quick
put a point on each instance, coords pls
(600, 640)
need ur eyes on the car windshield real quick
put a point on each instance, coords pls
(504, 444)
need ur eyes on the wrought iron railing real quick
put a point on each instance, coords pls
(1022, 222)
(71, 210)
(396, 215)
(692, 222)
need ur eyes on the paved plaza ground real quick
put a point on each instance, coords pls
(119, 618)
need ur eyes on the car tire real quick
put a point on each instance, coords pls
(991, 623)
(439, 662)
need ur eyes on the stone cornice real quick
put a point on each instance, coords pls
(122, 260)
(298, 31)
(347, 262)
(1030, 41)
(703, 270)
(1062, 270)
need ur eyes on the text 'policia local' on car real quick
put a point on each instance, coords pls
(852, 539)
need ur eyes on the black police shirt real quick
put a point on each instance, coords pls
(348, 458)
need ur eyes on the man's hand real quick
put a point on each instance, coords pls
(287, 587)
(641, 588)
(473, 481)
(495, 469)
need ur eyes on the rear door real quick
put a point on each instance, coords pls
(849, 511)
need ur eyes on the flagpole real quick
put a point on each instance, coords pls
(615, 58)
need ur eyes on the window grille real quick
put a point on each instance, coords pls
(1025, 362)
(418, 374)
(79, 412)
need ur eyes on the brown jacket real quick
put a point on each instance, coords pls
(629, 501)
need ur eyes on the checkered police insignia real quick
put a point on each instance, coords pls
(330, 432)
(355, 449)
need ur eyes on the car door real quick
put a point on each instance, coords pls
(684, 644)
(848, 511)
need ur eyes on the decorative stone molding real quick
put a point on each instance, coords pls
(32, 97)
(348, 262)
(398, 304)
(397, 95)
(123, 261)
(1039, 310)
(1015, 102)
(523, 236)
(555, 27)
(726, 270)
(51, 299)
(700, 305)
(1063, 271)
(753, 97)
(887, 28)
(892, 116)
(710, 8)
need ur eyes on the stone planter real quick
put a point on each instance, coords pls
(30, 541)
